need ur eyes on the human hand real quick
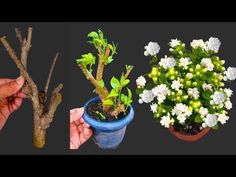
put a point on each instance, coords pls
(10, 97)
(79, 130)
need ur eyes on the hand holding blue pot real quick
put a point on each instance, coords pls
(80, 132)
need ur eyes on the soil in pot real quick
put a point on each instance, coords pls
(189, 129)
(95, 110)
(190, 132)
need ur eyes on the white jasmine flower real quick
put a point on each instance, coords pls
(203, 111)
(230, 73)
(228, 92)
(211, 120)
(161, 91)
(184, 62)
(207, 63)
(174, 43)
(147, 96)
(198, 43)
(153, 107)
(141, 81)
(166, 121)
(189, 75)
(213, 44)
(206, 86)
(218, 98)
(167, 62)
(181, 111)
(228, 105)
(222, 118)
(176, 85)
(152, 49)
(194, 93)
(140, 101)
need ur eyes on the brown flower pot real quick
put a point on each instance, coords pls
(189, 138)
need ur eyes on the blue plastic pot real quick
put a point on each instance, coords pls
(108, 135)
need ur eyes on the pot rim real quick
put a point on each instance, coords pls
(107, 126)
(189, 138)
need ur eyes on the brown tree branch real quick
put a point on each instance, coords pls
(19, 36)
(43, 113)
(25, 47)
(50, 73)
(20, 66)
(102, 92)
(128, 72)
(54, 102)
(101, 64)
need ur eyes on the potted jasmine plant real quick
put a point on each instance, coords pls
(111, 112)
(185, 89)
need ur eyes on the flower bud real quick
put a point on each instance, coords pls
(189, 75)
(172, 77)
(198, 67)
(179, 93)
(191, 70)
(178, 99)
(171, 71)
(188, 83)
(154, 71)
(198, 73)
(190, 108)
(154, 79)
(195, 83)
(222, 62)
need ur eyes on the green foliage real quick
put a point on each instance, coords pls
(189, 77)
(87, 60)
(106, 52)
(198, 119)
(115, 83)
(216, 127)
(101, 115)
(116, 93)
(108, 102)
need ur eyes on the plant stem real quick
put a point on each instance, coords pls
(50, 73)
(102, 92)
(101, 64)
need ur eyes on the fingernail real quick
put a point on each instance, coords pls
(20, 80)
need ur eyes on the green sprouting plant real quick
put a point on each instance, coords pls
(114, 101)
(101, 115)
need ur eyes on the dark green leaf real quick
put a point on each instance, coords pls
(216, 127)
(206, 94)
(138, 91)
(198, 119)
(149, 86)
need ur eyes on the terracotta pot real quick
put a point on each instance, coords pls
(189, 138)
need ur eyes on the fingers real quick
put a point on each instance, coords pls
(74, 137)
(85, 135)
(12, 87)
(4, 81)
(16, 104)
(19, 95)
(76, 114)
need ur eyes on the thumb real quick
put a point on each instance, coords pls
(10, 88)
